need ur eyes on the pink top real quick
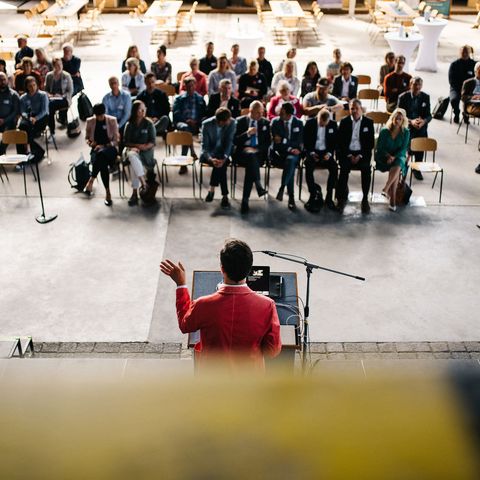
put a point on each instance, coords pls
(201, 85)
(277, 102)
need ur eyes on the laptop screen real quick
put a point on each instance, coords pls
(259, 279)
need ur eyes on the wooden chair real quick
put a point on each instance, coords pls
(178, 139)
(378, 118)
(15, 137)
(364, 80)
(371, 94)
(7, 56)
(339, 114)
(167, 88)
(180, 75)
(425, 145)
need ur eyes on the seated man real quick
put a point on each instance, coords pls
(158, 106)
(252, 141)
(59, 88)
(287, 134)
(71, 64)
(320, 139)
(118, 104)
(395, 84)
(417, 105)
(223, 98)
(356, 139)
(34, 111)
(9, 108)
(217, 144)
(345, 85)
(471, 94)
(313, 102)
(24, 50)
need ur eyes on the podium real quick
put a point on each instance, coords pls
(205, 283)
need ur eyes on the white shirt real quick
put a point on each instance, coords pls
(320, 143)
(355, 145)
(345, 87)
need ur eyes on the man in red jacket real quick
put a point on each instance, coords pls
(234, 322)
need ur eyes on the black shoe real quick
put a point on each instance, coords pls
(280, 194)
(262, 192)
(330, 204)
(133, 200)
(108, 203)
(88, 193)
(244, 208)
(183, 170)
(162, 124)
(341, 206)
(365, 206)
(291, 203)
(418, 175)
(456, 119)
(225, 204)
(477, 170)
(209, 197)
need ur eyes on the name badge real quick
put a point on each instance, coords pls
(6, 102)
(143, 130)
(120, 107)
(404, 83)
(296, 129)
(470, 73)
(365, 129)
(104, 127)
(259, 80)
(264, 128)
(213, 64)
(284, 140)
(424, 104)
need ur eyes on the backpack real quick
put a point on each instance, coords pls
(440, 108)
(73, 128)
(148, 193)
(79, 174)
(84, 105)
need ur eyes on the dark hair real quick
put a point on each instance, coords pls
(99, 109)
(389, 55)
(288, 108)
(346, 65)
(323, 82)
(150, 75)
(222, 114)
(135, 106)
(236, 259)
(30, 80)
(163, 49)
(306, 74)
(4, 64)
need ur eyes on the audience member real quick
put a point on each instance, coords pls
(59, 88)
(264, 66)
(223, 98)
(24, 50)
(71, 64)
(133, 52)
(209, 62)
(161, 68)
(237, 64)
(333, 68)
(391, 153)
(345, 85)
(27, 70)
(252, 85)
(133, 80)
(118, 104)
(287, 75)
(102, 136)
(34, 112)
(217, 143)
(471, 94)
(139, 138)
(156, 103)
(356, 139)
(9, 108)
(395, 84)
(291, 54)
(320, 139)
(189, 110)
(252, 141)
(284, 96)
(416, 105)
(315, 101)
(200, 78)
(222, 71)
(385, 69)
(310, 78)
(287, 146)
(460, 70)
(42, 64)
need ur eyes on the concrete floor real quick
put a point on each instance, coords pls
(92, 275)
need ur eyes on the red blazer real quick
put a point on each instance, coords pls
(234, 320)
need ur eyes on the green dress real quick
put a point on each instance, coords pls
(398, 148)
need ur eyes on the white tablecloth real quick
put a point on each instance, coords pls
(248, 39)
(141, 34)
(70, 9)
(427, 53)
(403, 45)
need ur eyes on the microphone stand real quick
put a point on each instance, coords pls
(310, 267)
(42, 218)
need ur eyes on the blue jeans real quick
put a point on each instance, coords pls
(290, 163)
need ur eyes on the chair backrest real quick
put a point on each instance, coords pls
(179, 138)
(167, 88)
(379, 118)
(423, 144)
(180, 75)
(339, 114)
(364, 79)
(15, 137)
(50, 22)
(244, 111)
(368, 94)
(7, 56)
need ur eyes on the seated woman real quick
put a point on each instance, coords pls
(252, 85)
(59, 88)
(161, 68)
(237, 63)
(391, 152)
(310, 78)
(26, 70)
(222, 71)
(385, 69)
(133, 52)
(284, 97)
(41, 63)
(133, 80)
(198, 75)
(101, 134)
(139, 138)
(288, 75)
(3, 68)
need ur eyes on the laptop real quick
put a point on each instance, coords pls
(259, 279)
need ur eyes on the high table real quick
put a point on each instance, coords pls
(67, 10)
(248, 39)
(403, 45)
(427, 53)
(141, 33)
(288, 12)
(162, 11)
(398, 12)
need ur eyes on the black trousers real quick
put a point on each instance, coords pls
(331, 165)
(252, 163)
(33, 132)
(418, 133)
(219, 175)
(101, 161)
(455, 101)
(3, 127)
(346, 167)
(56, 104)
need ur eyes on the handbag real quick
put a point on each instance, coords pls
(73, 128)
(404, 192)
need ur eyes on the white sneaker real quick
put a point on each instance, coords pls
(392, 208)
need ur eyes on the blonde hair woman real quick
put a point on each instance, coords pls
(222, 71)
(391, 152)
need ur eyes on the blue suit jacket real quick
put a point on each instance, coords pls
(209, 139)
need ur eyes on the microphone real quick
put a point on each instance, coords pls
(267, 252)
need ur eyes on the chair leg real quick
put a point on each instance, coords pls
(162, 180)
(201, 180)
(441, 187)
(411, 172)
(24, 180)
(193, 179)
(466, 132)
(373, 182)
(33, 172)
(434, 180)
(6, 174)
(300, 182)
